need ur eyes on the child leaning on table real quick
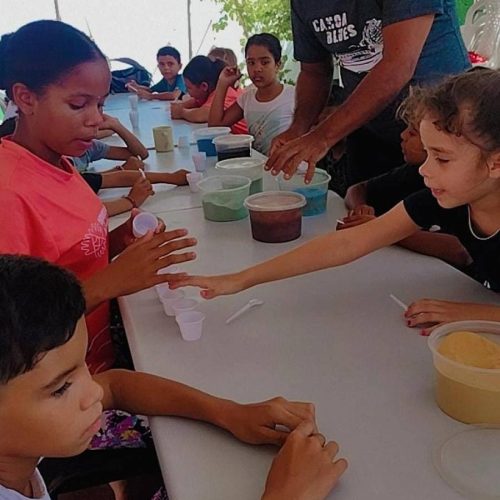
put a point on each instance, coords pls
(268, 107)
(125, 175)
(201, 76)
(59, 80)
(460, 129)
(378, 195)
(45, 385)
(171, 86)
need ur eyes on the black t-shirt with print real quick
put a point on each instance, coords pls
(425, 211)
(351, 31)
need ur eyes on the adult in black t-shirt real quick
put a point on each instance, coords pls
(382, 46)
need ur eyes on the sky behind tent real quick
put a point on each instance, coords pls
(124, 28)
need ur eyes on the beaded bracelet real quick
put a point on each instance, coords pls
(129, 198)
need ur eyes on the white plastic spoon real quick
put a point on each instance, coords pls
(251, 303)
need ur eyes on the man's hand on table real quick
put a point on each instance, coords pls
(287, 156)
(256, 423)
(305, 467)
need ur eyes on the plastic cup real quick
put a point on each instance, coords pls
(276, 216)
(248, 167)
(133, 101)
(316, 192)
(181, 305)
(168, 270)
(233, 146)
(200, 161)
(183, 141)
(204, 138)
(169, 298)
(190, 324)
(163, 139)
(222, 197)
(193, 178)
(166, 294)
(144, 222)
(134, 118)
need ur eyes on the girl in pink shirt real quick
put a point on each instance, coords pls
(201, 76)
(59, 79)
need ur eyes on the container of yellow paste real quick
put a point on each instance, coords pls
(467, 363)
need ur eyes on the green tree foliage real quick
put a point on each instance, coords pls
(257, 16)
(462, 7)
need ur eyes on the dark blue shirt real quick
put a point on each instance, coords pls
(351, 31)
(164, 86)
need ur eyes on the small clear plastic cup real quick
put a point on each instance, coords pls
(166, 294)
(183, 305)
(183, 141)
(133, 101)
(190, 324)
(169, 299)
(200, 161)
(144, 222)
(193, 178)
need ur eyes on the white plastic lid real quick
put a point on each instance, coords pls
(273, 201)
(469, 461)
(234, 164)
(210, 132)
(233, 140)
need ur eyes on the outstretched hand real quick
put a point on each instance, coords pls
(212, 286)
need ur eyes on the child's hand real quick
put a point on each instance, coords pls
(131, 85)
(304, 468)
(133, 163)
(428, 314)
(141, 191)
(143, 93)
(109, 123)
(136, 267)
(176, 109)
(229, 76)
(354, 220)
(256, 423)
(213, 286)
(179, 177)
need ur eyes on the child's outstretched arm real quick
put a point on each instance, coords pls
(150, 395)
(219, 117)
(134, 145)
(330, 250)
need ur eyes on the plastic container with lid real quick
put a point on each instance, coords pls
(467, 393)
(204, 138)
(223, 196)
(233, 146)
(248, 167)
(276, 216)
(316, 192)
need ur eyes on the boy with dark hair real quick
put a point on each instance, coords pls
(172, 85)
(45, 384)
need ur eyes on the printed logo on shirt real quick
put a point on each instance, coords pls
(361, 56)
(95, 241)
